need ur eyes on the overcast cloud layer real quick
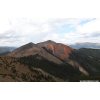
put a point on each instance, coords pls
(18, 31)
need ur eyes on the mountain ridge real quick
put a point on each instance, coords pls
(56, 59)
(86, 45)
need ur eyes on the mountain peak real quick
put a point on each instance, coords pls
(50, 41)
(45, 43)
(30, 43)
(58, 49)
(26, 49)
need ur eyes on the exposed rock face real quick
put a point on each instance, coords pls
(60, 50)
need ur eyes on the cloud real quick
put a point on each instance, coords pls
(85, 30)
(90, 27)
(18, 31)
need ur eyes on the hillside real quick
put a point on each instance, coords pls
(12, 70)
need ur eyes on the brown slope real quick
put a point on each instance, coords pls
(12, 70)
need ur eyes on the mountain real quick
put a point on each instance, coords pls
(33, 49)
(25, 50)
(50, 61)
(86, 45)
(5, 50)
(37, 56)
(50, 50)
